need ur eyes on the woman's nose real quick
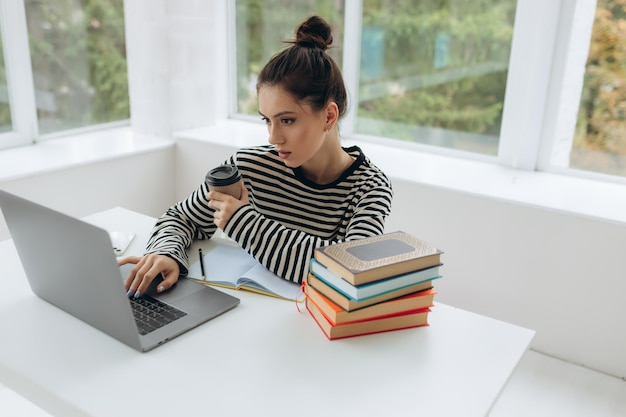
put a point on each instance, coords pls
(274, 135)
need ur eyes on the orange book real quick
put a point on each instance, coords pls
(405, 320)
(337, 315)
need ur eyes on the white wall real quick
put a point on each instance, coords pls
(176, 54)
(143, 182)
(560, 274)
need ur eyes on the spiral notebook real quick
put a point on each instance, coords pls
(232, 267)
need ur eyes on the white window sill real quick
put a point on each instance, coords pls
(578, 196)
(75, 150)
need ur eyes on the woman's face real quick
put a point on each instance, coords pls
(295, 129)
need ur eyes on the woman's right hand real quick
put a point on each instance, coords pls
(226, 205)
(146, 269)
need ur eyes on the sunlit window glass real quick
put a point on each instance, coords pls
(5, 109)
(79, 62)
(600, 138)
(263, 25)
(434, 72)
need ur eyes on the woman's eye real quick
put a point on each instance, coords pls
(265, 120)
(286, 121)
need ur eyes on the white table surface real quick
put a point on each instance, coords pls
(262, 358)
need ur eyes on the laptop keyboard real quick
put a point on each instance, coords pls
(151, 314)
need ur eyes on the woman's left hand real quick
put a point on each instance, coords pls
(226, 205)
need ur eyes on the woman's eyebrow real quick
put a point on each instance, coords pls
(279, 114)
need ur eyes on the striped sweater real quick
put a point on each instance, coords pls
(288, 215)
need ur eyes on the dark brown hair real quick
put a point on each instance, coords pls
(305, 70)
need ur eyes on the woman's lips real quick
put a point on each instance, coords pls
(284, 154)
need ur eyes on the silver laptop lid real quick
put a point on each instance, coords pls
(71, 264)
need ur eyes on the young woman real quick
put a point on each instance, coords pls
(300, 192)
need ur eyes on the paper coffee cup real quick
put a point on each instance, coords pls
(225, 179)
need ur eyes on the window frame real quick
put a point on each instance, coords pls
(20, 86)
(523, 112)
(535, 121)
(530, 64)
(576, 21)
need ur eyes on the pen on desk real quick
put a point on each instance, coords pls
(202, 264)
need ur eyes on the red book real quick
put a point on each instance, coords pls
(404, 320)
(338, 315)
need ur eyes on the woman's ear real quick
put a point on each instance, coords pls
(332, 114)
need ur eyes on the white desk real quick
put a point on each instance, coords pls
(262, 358)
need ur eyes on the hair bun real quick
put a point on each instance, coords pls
(314, 32)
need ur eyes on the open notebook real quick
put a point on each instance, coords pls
(232, 267)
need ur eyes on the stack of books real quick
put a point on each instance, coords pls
(372, 285)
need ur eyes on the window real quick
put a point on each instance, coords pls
(485, 79)
(430, 72)
(79, 62)
(261, 28)
(435, 72)
(5, 109)
(600, 137)
(65, 63)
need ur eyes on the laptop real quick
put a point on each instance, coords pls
(71, 264)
